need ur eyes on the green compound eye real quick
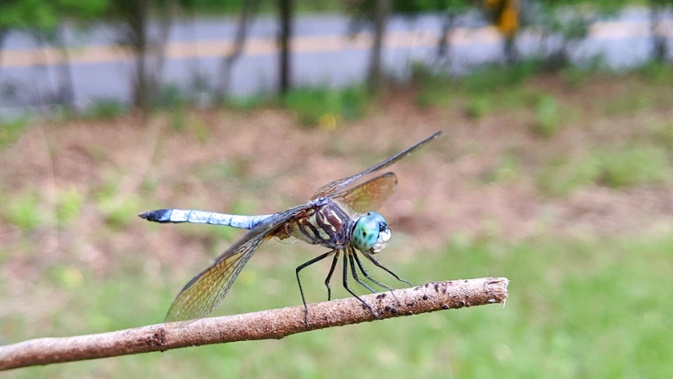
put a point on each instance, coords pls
(370, 233)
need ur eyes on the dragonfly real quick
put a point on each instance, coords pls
(339, 216)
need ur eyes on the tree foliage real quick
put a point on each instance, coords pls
(44, 16)
(42, 20)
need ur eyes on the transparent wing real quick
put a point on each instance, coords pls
(207, 290)
(369, 195)
(337, 185)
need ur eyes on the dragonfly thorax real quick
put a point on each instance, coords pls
(370, 233)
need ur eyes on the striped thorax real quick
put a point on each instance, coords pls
(324, 223)
(327, 224)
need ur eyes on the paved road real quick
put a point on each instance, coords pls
(322, 54)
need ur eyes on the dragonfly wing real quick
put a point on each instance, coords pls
(369, 195)
(337, 185)
(207, 290)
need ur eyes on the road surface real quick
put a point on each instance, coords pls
(323, 54)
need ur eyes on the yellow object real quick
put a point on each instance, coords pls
(506, 15)
(508, 22)
(329, 121)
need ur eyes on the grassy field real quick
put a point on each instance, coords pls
(561, 183)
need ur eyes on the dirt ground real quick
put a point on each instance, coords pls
(462, 184)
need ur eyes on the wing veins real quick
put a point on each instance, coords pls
(337, 185)
(207, 290)
(369, 195)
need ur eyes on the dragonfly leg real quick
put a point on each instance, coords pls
(345, 284)
(355, 273)
(366, 274)
(303, 266)
(384, 268)
(329, 276)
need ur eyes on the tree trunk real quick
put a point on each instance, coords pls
(166, 13)
(511, 54)
(149, 52)
(226, 66)
(444, 41)
(380, 17)
(3, 34)
(659, 39)
(284, 37)
(136, 18)
(66, 90)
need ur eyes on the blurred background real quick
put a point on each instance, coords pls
(554, 170)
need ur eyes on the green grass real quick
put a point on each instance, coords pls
(508, 169)
(325, 107)
(577, 308)
(105, 109)
(248, 103)
(630, 103)
(489, 89)
(661, 133)
(635, 165)
(478, 106)
(492, 89)
(547, 117)
(563, 175)
(171, 96)
(644, 164)
(69, 204)
(656, 72)
(576, 76)
(25, 211)
(434, 88)
(497, 77)
(118, 211)
(11, 130)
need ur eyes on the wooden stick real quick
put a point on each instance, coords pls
(276, 323)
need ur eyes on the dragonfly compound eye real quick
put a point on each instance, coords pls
(382, 241)
(371, 233)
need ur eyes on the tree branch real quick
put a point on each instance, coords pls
(276, 323)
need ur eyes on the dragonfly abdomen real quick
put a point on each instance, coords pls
(203, 217)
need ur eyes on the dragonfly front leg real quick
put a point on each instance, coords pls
(386, 269)
(366, 274)
(345, 284)
(352, 257)
(306, 264)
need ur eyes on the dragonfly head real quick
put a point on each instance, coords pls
(371, 233)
